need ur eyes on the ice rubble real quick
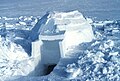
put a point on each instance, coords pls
(22, 22)
(98, 60)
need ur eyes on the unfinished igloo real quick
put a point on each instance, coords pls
(57, 33)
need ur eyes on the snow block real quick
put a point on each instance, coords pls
(70, 28)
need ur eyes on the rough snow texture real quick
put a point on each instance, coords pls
(94, 61)
(98, 60)
(15, 57)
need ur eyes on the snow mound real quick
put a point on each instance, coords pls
(14, 46)
(13, 59)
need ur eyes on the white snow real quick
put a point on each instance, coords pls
(104, 70)
(97, 60)
(22, 23)
(13, 60)
(77, 29)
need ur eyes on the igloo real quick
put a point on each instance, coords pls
(58, 33)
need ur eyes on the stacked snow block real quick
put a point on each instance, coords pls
(59, 33)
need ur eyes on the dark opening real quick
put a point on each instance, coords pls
(50, 69)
